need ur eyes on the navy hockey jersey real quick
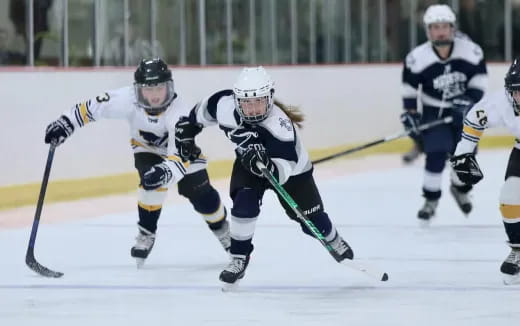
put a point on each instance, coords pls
(440, 81)
(277, 132)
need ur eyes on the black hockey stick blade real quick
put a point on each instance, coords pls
(30, 260)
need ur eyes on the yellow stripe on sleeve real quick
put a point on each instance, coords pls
(83, 112)
(178, 159)
(150, 208)
(472, 131)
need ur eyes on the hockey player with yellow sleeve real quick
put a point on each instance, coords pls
(499, 109)
(151, 108)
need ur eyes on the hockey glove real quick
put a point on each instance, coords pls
(256, 153)
(185, 132)
(411, 121)
(466, 168)
(462, 104)
(158, 176)
(57, 131)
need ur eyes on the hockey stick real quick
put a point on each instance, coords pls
(402, 134)
(30, 260)
(312, 228)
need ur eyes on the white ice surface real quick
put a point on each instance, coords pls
(447, 274)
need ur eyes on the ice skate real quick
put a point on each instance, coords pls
(462, 200)
(234, 272)
(223, 236)
(144, 244)
(511, 267)
(341, 247)
(410, 156)
(426, 213)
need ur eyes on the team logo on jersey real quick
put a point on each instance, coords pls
(286, 123)
(243, 138)
(451, 84)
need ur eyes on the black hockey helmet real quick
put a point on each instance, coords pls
(512, 82)
(152, 73)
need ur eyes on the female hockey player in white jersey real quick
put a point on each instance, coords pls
(151, 108)
(499, 109)
(263, 130)
(449, 73)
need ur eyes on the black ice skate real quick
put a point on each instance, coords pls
(341, 247)
(427, 211)
(462, 200)
(223, 236)
(511, 266)
(410, 156)
(234, 272)
(145, 241)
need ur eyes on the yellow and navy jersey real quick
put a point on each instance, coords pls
(464, 72)
(494, 110)
(148, 133)
(277, 132)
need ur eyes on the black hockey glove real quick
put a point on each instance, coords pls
(57, 131)
(158, 176)
(256, 153)
(411, 121)
(185, 132)
(466, 168)
(462, 104)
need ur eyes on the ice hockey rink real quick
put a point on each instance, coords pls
(447, 274)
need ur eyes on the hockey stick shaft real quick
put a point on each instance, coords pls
(30, 260)
(402, 134)
(313, 229)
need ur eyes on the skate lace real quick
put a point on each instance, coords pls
(514, 257)
(339, 246)
(144, 241)
(236, 265)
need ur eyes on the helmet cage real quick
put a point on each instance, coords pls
(143, 102)
(264, 92)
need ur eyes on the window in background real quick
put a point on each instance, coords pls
(216, 38)
(483, 22)
(170, 15)
(81, 23)
(191, 8)
(241, 32)
(111, 27)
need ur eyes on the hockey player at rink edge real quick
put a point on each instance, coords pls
(262, 130)
(452, 74)
(151, 108)
(498, 109)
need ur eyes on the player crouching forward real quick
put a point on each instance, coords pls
(263, 130)
(151, 108)
(499, 109)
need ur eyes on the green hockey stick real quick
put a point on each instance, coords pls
(382, 276)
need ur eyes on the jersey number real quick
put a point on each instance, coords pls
(103, 98)
(154, 140)
(482, 118)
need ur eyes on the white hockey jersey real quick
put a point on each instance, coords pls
(277, 132)
(148, 133)
(494, 110)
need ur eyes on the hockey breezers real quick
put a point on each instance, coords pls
(30, 260)
(402, 134)
(312, 228)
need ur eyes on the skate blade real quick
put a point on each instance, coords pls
(511, 279)
(425, 224)
(230, 287)
(139, 262)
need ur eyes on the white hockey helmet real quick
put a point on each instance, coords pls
(439, 14)
(253, 83)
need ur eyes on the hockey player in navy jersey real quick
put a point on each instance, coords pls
(498, 109)
(151, 108)
(263, 130)
(451, 73)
